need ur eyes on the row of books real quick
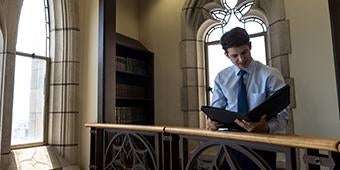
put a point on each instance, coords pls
(126, 115)
(130, 91)
(130, 65)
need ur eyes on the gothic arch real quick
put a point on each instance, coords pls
(196, 20)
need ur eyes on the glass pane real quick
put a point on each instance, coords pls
(28, 101)
(217, 62)
(254, 27)
(220, 15)
(244, 9)
(32, 28)
(215, 34)
(229, 3)
(258, 49)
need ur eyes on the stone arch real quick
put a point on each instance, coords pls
(195, 22)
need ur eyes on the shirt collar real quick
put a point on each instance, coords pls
(250, 69)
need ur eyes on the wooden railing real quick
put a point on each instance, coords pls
(116, 146)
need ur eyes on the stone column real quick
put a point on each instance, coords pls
(9, 18)
(64, 81)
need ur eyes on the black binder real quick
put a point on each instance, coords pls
(271, 106)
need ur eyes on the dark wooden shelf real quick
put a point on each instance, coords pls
(134, 82)
(132, 74)
(132, 98)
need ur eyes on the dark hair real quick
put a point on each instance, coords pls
(234, 38)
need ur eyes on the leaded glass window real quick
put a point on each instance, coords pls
(233, 15)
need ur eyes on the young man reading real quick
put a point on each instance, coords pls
(245, 85)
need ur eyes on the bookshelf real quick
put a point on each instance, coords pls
(134, 82)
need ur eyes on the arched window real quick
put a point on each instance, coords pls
(46, 51)
(195, 27)
(31, 74)
(233, 15)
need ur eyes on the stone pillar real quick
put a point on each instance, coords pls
(9, 18)
(64, 81)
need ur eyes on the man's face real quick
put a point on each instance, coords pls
(240, 56)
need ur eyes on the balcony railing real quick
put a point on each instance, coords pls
(117, 146)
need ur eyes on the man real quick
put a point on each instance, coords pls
(258, 80)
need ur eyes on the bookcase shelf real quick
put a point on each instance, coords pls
(134, 82)
(132, 74)
(131, 98)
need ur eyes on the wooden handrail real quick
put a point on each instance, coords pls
(277, 139)
(158, 129)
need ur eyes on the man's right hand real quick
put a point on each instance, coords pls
(212, 125)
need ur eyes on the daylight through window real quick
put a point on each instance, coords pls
(232, 15)
(30, 81)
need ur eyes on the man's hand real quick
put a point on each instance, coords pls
(212, 125)
(260, 126)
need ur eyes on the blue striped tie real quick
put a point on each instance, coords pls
(242, 103)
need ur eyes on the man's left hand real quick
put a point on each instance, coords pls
(260, 126)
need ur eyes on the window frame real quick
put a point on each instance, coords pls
(46, 101)
(223, 22)
(46, 80)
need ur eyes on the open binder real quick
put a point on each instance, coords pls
(271, 106)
